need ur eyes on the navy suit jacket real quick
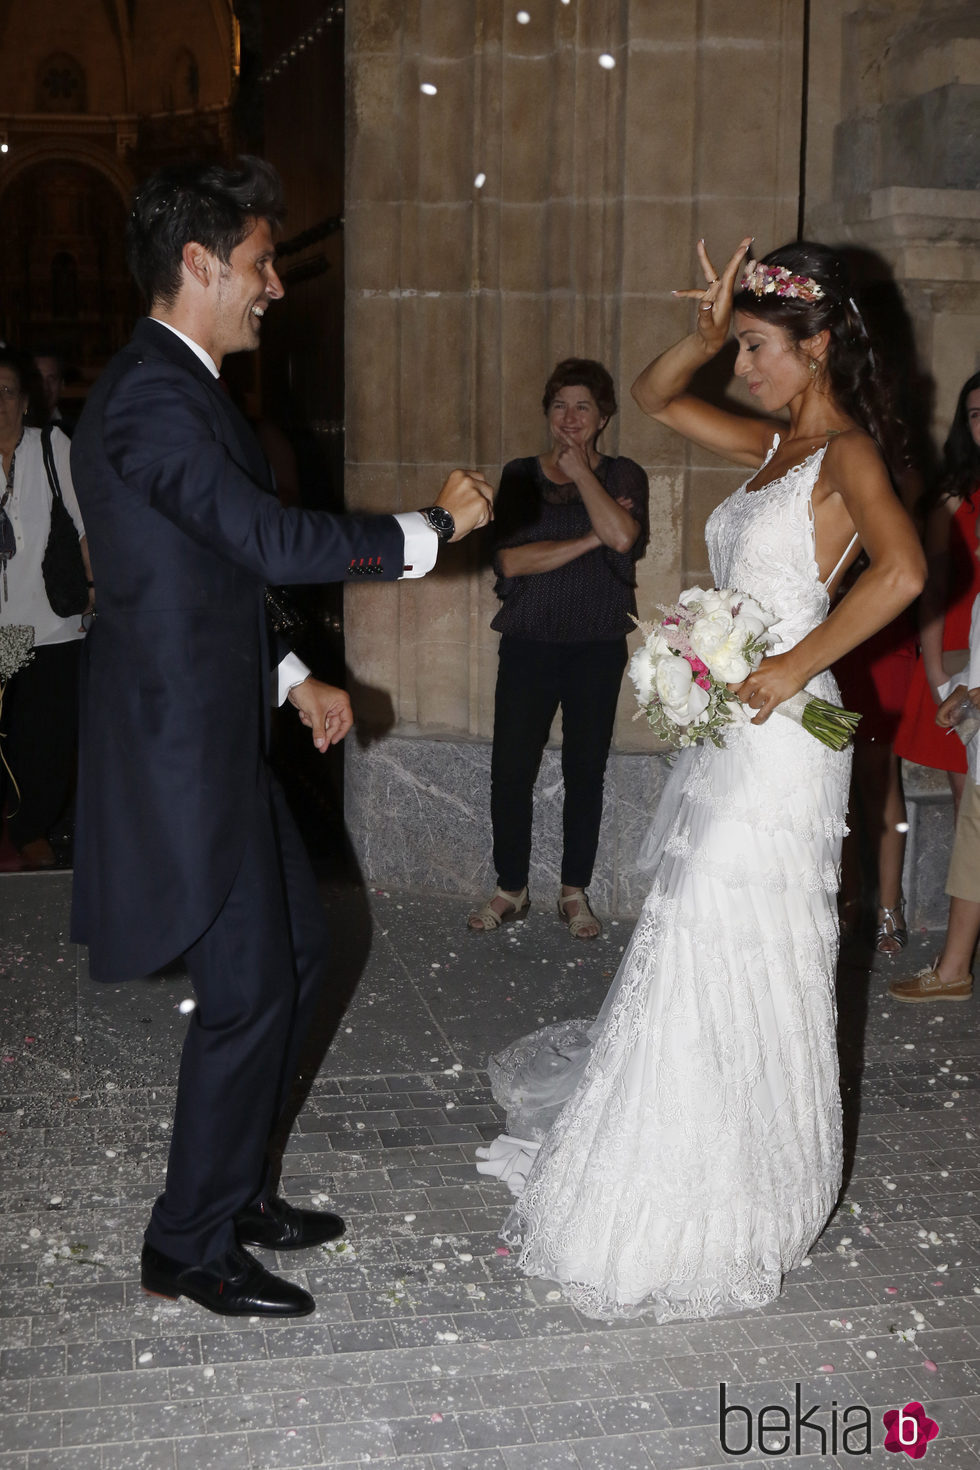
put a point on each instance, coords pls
(184, 536)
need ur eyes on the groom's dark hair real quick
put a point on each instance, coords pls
(208, 203)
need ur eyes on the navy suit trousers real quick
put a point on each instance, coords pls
(257, 974)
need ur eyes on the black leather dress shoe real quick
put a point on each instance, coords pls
(236, 1287)
(282, 1227)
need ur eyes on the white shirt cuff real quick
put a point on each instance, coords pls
(421, 543)
(291, 671)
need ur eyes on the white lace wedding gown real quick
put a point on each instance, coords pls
(691, 1137)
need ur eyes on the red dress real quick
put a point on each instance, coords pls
(874, 679)
(919, 738)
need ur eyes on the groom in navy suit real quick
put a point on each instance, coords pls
(184, 844)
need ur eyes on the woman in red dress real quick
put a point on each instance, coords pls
(953, 583)
(874, 679)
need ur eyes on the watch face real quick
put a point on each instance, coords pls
(441, 521)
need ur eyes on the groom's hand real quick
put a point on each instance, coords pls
(469, 499)
(324, 709)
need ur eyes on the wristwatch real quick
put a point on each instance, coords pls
(440, 520)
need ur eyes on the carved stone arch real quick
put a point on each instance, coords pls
(79, 150)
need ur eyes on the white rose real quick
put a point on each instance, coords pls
(697, 703)
(710, 632)
(748, 607)
(681, 698)
(728, 662)
(750, 626)
(708, 598)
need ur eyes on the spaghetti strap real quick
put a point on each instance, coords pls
(847, 551)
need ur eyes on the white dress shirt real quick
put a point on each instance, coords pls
(29, 509)
(421, 543)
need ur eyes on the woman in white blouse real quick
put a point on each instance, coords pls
(39, 718)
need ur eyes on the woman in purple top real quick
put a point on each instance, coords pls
(569, 527)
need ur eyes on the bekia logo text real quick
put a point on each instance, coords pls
(778, 1430)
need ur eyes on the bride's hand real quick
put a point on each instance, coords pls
(774, 681)
(714, 318)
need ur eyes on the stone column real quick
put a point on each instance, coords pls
(893, 165)
(540, 203)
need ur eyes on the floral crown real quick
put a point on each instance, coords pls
(777, 280)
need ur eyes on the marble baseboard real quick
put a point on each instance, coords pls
(418, 813)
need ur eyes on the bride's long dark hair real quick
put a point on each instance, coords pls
(855, 373)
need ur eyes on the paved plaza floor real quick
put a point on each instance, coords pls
(427, 1350)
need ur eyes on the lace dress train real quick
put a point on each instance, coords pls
(690, 1138)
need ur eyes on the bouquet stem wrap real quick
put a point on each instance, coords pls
(827, 722)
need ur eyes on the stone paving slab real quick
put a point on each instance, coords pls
(428, 1351)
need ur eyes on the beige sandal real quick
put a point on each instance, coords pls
(489, 917)
(585, 917)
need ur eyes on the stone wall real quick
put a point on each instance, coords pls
(539, 204)
(714, 120)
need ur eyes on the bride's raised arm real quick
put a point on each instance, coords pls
(661, 388)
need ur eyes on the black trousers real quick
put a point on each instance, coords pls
(533, 680)
(257, 974)
(40, 729)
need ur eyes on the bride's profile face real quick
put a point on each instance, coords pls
(774, 368)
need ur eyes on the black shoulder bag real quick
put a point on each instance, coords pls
(65, 580)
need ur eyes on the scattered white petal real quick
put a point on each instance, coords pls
(408, 1219)
(186, 1006)
(209, 1371)
(523, 17)
(430, 91)
(110, 1153)
(606, 61)
(871, 1354)
(438, 1265)
(479, 181)
(447, 1337)
(145, 1358)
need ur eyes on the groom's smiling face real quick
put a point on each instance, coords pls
(245, 288)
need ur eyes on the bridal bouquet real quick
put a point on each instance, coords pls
(16, 648)
(707, 641)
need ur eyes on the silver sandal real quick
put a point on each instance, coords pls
(891, 928)
(489, 917)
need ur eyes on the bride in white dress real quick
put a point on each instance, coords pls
(683, 1152)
